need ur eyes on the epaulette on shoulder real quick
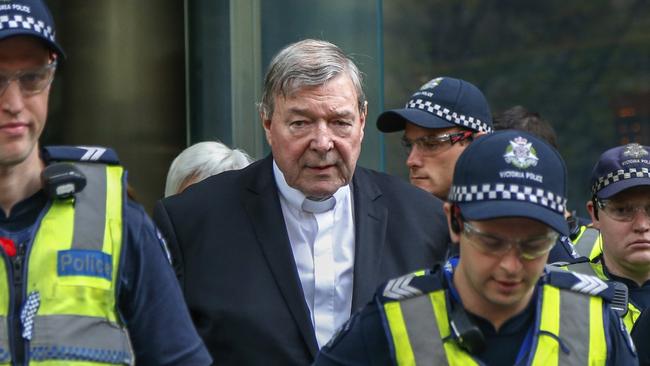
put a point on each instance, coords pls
(411, 285)
(582, 283)
(87, 154)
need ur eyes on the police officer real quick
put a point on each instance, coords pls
(495, 304)
(83, 277)
(588, 241)
(439, 122)
(519, 118)
(620, 210)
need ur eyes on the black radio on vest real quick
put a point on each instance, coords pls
(62, 180)
(465, 332)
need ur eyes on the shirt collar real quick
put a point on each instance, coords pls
(294, 197)
(631, 284)
(24, 213)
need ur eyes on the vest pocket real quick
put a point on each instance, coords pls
(68, 298)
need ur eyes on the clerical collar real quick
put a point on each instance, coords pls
(295, 198)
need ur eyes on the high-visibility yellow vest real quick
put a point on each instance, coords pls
(589, 242)
(596, 269)
(72, 267)
(419, 328)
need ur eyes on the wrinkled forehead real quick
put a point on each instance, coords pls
(336, 91)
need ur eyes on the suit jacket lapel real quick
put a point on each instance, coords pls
(263, 207)
(370, 231)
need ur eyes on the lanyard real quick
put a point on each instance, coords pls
(525, 346)
(449, 273)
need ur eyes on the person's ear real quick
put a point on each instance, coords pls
(362, 119)
(452, 221)
(593, 213)
(266, 123)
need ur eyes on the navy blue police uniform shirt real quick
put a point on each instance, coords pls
(564, 253)
(363, 341)
(641, 337)
(149, 298)
(502, 347)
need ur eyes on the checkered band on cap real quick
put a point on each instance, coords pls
(512, 192)
(451, 116)
(23, 22)
(619, 175)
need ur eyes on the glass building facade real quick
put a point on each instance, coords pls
(150, 77)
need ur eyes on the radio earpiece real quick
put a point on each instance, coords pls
(594, 201)
(455, 215)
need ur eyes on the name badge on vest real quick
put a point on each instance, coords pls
(90, 263)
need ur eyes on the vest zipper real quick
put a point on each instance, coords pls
(15, 335)
(10, 312)
(17, 345)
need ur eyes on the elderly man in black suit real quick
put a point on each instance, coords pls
(273, 258)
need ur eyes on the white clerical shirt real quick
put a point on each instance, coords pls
(323, 248)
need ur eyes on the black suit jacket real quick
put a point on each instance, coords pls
(233, 258)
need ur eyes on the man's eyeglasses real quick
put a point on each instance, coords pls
(622, 211)
(434, 144)
(31, 81)
(529, 248)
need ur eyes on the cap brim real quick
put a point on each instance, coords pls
(487, 210)
(622, 185)
(395, 120)
(8, 33)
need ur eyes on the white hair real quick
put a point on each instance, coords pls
(200, 161)
(310, 62)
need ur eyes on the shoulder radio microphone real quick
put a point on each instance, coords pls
(62, 180)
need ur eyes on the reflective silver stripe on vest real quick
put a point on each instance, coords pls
(584, 268)
(5, 356)
(586, 242)
(620, 301)
(73, 337)
(90, 209)
(424, 336)
(422, 329)
(574, 328)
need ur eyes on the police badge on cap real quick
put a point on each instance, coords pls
(521, 153)
(511, 174)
